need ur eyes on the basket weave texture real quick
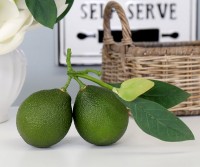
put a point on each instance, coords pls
(175, 63)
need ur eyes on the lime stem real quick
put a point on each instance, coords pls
(64, 88)
(68, 60)
(99, 82)
(82, 74)
(69, 68)
(81, 84)
(98, 73)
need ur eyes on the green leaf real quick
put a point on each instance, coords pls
(117, 85)
(157, 121)
(132, 88)
(165, 94)
(70, 3)
(43, 11)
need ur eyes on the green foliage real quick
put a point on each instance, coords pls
(157, 121)
(45, 11)
(151, 114)
(70, 3)
(165, 94)
(132, 88)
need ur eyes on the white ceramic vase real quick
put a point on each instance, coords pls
(12, 76)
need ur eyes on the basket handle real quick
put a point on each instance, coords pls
(126, 32)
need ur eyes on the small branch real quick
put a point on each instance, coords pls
(81, 84)
(64, 88)
(68, 60)
(99, 82)
(82, 74)
(98, 73)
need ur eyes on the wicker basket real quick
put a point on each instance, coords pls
(175, 63)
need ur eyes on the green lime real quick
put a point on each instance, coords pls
(45, 117)
(100, 118)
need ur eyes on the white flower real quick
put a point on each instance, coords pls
(15, 19)
(13, 25)
(21, 4)
(7, 10)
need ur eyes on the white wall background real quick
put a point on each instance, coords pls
(39, 46)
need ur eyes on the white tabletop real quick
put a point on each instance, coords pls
(135, 149)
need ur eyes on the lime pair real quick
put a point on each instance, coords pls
(45, 117)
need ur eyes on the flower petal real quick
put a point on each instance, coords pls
(12, 43)
(29, 21)
(9, 44)
(35, 25)
(13, 26)
(8, 10)
(21, 4)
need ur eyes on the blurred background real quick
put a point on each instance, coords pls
(43, 72)
(41, 49)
